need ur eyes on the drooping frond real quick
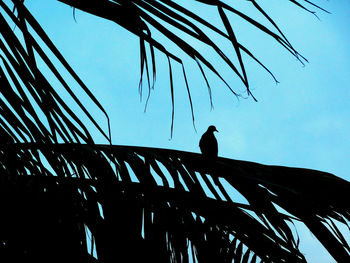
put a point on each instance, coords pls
(159, 22)
(32, 109)
(170, 206)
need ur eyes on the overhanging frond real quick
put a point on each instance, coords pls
(144, 17)
(32, 109)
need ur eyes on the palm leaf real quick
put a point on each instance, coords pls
(28, 91)
(142, 17)
(145, 214)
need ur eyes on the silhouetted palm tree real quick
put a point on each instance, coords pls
(63, 197)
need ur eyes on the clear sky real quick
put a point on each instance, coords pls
(301, 122)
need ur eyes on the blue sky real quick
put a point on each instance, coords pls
(301, 122)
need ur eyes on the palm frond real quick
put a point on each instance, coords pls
(172, 205)
(144, 17)
(32, 109)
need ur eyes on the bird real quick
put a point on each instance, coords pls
(208, 144)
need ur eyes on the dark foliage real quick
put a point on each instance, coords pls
(63, 197)
(164, 205)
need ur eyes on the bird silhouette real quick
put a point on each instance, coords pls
(208, 144)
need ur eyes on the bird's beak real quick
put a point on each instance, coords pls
(216, 130)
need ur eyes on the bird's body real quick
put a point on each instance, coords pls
(208, 144)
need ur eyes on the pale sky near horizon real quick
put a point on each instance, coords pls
(301, 122)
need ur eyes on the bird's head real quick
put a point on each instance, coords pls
(212, 128)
